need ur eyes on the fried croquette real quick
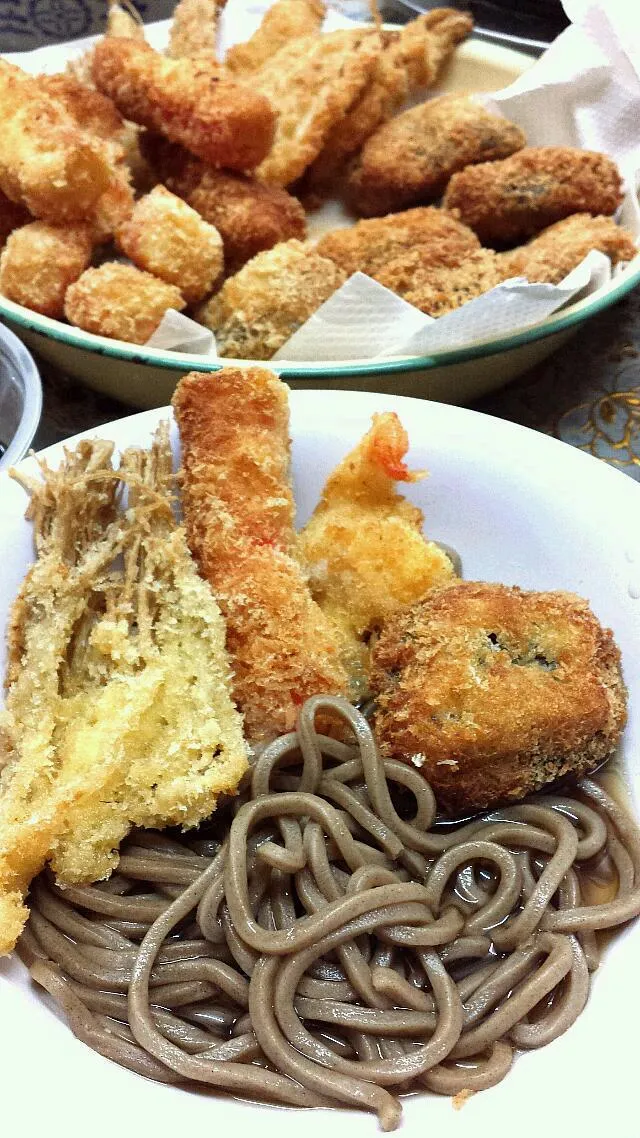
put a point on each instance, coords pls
(558, 249)
(115, 206)
(436, 288)
(40, 261)
(193, 29)
(238, 508)
(369, 245)
(364, 548)
(284, 21)
(120, 301)
(166, 237)
(47, 164)
(89, 109)
(410, 159)
(493, 692)
(260, 307)
(188, 101)
(249, 216)
(504, 202)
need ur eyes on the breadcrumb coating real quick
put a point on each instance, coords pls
(284, 21)
(260, 307)
(558, 249)
(504, 202)
(166, 237)
(193, 29)
(120, 301)
(40, 261)
(436, 288)
(89, 109)
(493, 692)
(369, 245)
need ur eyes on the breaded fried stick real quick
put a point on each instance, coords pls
(239, 509)
(558, 249)
(506, 201)
(410, 159)
(493, 692)
(193, 29)
(120, 301)
(369, 246)
(40, 261)
(284, 21)
(187, 100)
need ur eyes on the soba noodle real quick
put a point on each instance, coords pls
(319, 943)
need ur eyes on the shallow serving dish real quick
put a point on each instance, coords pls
(20, 398)
(520, 508)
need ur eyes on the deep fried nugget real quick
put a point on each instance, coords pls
(558, 249)
(369, 245)
(40, 261)
(364, 548)
(47, 164)
(89, 109)
(260, 307)
(436, 288)
(120, 301)
(311, 83)
(493, 692)
(410, 159)
(115, 206)
(193, 29)
(249, 216)
(187, 100)
(239, 511)
(506, 201)
(166, 237)
(12, 216)
(284, 21)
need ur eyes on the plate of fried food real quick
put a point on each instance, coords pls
(319, 788)
(244, 189)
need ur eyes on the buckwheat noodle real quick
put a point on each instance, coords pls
(323, 942)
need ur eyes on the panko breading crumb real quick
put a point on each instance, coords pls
(504, 202)
(40, 261)
(120, 301)
(462, 1097)
(89, 109)
(558, 249)
(518, 688)
(193, 29)
(260, 307)
(369, 246)
(410, 159)
(115, 206)
(437, 289)
(166, 237)
(284, 21)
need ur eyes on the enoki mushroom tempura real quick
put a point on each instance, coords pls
(321, 943)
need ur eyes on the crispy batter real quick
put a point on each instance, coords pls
(120, 301)
(409, 160)
(88, 108)
(369, 245)
(249, 216)
(188, 101)
(363, 547)
(193, 29)
(311, 83)
(166, 237)
(436, 288)
(47, 164)
(12, 216)
(40, 261)
(493, 692)
(260, 307)
(239, 511)
(284, 21)
(506, 201)
(115, 206)
(558, 249)
(118, 705)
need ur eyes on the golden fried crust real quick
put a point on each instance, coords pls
(506, 201)
(89, 109)
(40, 261)
(188, 101)
(260, 307)
(558, 249)
(369, 245)
(493, 692)
(120, 301)
(410, 159)
(249, 216)
(284, 21)
(193, 29)
(435, 288)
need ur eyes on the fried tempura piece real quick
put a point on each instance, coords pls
(284, 21)
(120, 301)
(411, 60)
(364, 548)
(118, 707)
(409, 160)
(12, 216)
(187, 100)
(370, 245)
(47, 164)
(40, 261)
(193, 29)
(436, 288)
(239, 511)
(493, 692)
(166, 237)
(506, 201)
(260, 307)
(311, 83)
(558, 249)
(249, 216)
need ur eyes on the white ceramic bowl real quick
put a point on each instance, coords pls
(20, 398)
